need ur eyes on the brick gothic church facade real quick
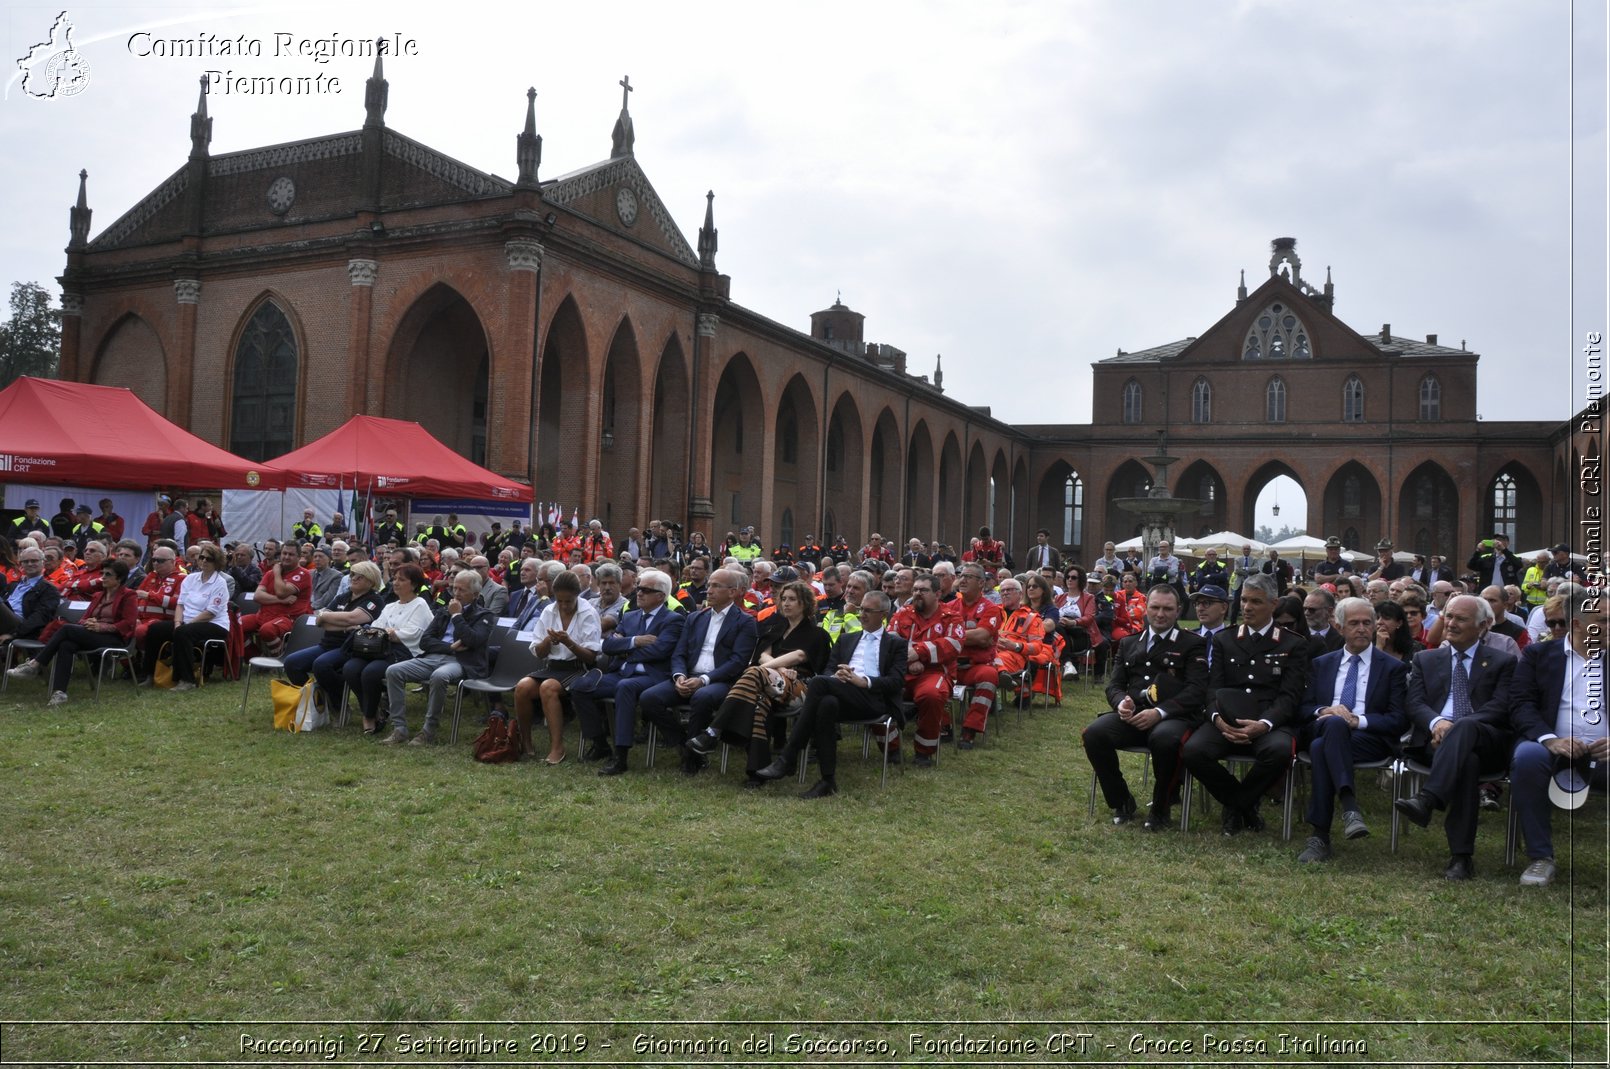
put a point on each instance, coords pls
(564, 331)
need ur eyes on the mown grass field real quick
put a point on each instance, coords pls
(168, 860)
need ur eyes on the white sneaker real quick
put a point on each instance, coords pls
(1539, 873)
(57, 698)
(184, 686)
(25, 670)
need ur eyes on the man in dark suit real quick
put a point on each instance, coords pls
(640, 649)
(1043, 554)
(1353, 712)
(30, 603)
(1157, 691)
(1557, 712)
(864, 680)
(1255, 686)
(1324, 635)
(716, 644)
(1459, 706)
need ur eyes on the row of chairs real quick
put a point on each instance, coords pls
(1406, 775)
(70, 612)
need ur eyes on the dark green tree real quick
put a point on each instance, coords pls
(30, 341)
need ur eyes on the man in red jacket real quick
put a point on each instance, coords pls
(284, 594)
(980, 622)
(933, 641)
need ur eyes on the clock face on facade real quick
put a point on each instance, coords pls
(281, 194)
(626, 206)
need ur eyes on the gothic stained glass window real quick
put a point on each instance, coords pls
(263, 420)
(1353, 400)
(1277, 334)
(1132, 402)
(1275, 401)
(1504, 505)
(1430, 398)
(1073, 510)
(1201, 402)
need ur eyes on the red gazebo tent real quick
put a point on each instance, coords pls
(396, 458)
(75, 434)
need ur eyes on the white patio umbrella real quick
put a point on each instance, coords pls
(1228, 543)
(1301, 547)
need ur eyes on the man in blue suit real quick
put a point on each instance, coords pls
(1559, 720)
(1353, 712)
(641, 648)
(717, 642)
(1459, 706)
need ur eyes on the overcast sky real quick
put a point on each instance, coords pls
(1025, 187)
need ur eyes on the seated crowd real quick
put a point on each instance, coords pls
(769, 651)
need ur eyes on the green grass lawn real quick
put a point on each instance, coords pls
(168, 860)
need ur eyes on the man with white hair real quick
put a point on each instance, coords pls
(1353, 713)
(715, 648)
(1458, 699)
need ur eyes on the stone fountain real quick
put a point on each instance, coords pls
(1159, 508)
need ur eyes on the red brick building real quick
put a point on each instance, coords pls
(564, 330)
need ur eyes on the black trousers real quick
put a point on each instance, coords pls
(828, 703)
(1108, 734)
(1207, 748)
(1471, 749)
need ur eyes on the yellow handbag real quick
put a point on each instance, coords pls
(287, 697)
(162, 674)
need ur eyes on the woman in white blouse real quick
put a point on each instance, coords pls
(405, 622)
(202, 613)
(569, 635)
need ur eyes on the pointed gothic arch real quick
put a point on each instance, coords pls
(438, 370)
(264, 380)
(1353, 500)
(668, 454)
(919, 485)
(951, 491)
(885, 460)
(795, 463)
(561, 420)
(1202, 481)
(620, 433)
(131, 355)
(1428, 512)
(845, 471)
(737, 427)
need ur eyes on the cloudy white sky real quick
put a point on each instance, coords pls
(1024, 187)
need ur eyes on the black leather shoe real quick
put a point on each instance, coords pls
(1158, 820)
(1234, 824)
(778, 769)
(703, 743)
(616, 766)
(1460, 867)
(692, 761)
(922, 760)
(1125, 812)
(822, 789)
(1417, 809)
(597, 750)
(897, 757)
(1252, 820)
